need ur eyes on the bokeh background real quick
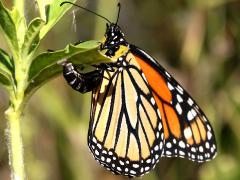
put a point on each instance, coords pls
(197, 41)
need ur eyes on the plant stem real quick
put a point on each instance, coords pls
(14, 116)
(15, 146)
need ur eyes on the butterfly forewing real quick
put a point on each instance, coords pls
(187, 132)
(125, 132)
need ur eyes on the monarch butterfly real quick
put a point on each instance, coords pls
(139, 112)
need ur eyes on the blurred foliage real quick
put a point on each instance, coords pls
(197, 41)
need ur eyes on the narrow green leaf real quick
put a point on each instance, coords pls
(45, 66)
(3, 80)
(6, 68)
(41, 8)
(17, 15)
(20, 25)
(53, 12)
(31, 40)
(8, 27)
(5, 62)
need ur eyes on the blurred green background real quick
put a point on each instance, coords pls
(197, 41)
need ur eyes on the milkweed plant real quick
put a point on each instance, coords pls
(23, 70)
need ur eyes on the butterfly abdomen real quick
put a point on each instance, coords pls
(82, 82)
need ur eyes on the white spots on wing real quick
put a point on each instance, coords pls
(135, 165)
(133, 172)
(200, 149)
(119, 169)
(99, 146)
(204, 118)
(160, 126)
(168, 145)
(207, 145)
(149, 161)
(167, 74)
(156, 148)
(179, 89)
(193, 149)
(209, 135)
(182, 144)
(193, 156)
(161, 145)
(121, 162)
(208, 127)
(170, 86)
(179, 109)
(190, 116)
(179, 98)
(96, 152)
(147, 168)
(94, 140)
(212, 149)
(108, 160)
(181, 153)
(193, 112)
(152, 100)
(102, 158)
(168, 153)
(187, 133)
(190, 101)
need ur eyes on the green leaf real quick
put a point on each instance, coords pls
(53, 12)
(31, 40)
(20, 24)
(6, 68)
(3, 80)
(83, 53)
(8, 27)
(6, 62)
(45, 66)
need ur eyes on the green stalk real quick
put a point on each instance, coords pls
(15, 145)
(14, 117)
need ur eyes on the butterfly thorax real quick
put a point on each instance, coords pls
(114, 44)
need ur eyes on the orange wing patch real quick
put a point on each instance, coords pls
(173, 121)
(164, 121)
(156, 81)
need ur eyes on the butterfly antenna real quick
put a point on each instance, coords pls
(67, 2)
(119, 9)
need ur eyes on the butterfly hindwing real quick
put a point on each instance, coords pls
(125, 133)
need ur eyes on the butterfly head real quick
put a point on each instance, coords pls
(114, 41)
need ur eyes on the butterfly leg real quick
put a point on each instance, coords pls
(82, 82)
